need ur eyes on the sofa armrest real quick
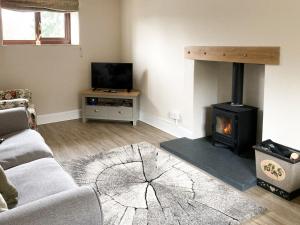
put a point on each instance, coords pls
(12, 120)
(79, 206)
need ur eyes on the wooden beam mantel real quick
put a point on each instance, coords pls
(253, 55)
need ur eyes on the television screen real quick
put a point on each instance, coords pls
(112, 76)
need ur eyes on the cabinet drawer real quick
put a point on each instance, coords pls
(109, 113)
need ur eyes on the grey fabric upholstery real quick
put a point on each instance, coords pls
(13, 120)
(22, 147)
(39, 179)
(47, 194)
(7, 189)
(78, 206)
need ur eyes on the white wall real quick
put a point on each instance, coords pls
(154, 34)
(206, 86)
(57, 73)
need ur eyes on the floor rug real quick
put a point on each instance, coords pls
(142, 185)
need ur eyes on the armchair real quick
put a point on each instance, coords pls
(19, 98)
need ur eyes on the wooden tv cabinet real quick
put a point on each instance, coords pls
(103, 105)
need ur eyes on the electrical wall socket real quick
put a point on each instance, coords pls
(175, 115)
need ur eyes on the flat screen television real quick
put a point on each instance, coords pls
(112, 76)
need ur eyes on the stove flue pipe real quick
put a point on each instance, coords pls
(237, 84)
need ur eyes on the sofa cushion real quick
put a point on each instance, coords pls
(23, 147)
(7, 189)
(39, 179)
(13, 120)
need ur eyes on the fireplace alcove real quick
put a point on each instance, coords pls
(208, 76)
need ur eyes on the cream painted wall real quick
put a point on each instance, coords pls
(155, 32)
(56, 74)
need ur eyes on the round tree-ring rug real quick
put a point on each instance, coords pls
(140, 184)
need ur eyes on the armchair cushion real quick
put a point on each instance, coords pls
(16, 93)
(13, 103)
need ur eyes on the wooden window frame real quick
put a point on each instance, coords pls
(65, 40)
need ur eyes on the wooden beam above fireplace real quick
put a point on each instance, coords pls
(253, 55)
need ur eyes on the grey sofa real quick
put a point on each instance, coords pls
(47, 194)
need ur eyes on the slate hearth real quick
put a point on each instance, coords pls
(217, 161)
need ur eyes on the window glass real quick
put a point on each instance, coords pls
(39, 27)
(52, 25)
(18, 25)
(74, 28)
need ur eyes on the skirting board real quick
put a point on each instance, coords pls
(158, 122)
(165, 125)
(58, 117)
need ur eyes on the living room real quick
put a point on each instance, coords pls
(176, 92)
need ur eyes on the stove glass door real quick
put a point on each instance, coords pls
(224, 125)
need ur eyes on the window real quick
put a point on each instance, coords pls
(18, 26)
(36, 27)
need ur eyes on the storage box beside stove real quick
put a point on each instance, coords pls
(277, 174)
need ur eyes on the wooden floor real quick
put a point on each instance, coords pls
(73, 139)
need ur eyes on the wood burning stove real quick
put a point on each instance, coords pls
(235, 124)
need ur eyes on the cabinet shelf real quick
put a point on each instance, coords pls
(98, 101)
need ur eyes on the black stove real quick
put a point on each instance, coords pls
(235, 124)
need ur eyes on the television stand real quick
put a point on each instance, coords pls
(104, 105)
